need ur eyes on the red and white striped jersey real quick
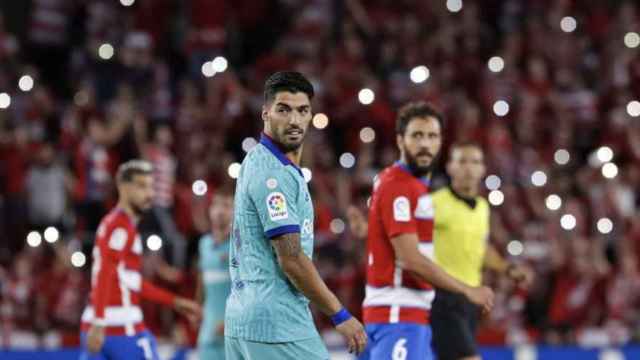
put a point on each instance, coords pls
(116, 280)
(400, 204)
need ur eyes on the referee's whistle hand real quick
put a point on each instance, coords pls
(481, 296)
(353, 330)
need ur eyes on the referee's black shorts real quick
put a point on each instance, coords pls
(454, 320)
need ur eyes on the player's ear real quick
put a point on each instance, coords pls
(265, 111)
(399, 142)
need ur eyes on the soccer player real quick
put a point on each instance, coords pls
(112, 324)
(214, 267)
(400, 270)
(272, 275)
(461, 249)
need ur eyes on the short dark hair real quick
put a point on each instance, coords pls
(415, 109)
(290, 81)
(131, 168)
(464, 144)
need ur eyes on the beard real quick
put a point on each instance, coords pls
(139, 210)
(289, 146)
(415, 167)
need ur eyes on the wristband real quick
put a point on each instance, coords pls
(340, 317)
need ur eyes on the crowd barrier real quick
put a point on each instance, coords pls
(488, 353)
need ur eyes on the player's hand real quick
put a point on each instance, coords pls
(220, 328)
(521, 274)
(357, 222)
(481, 296)
(95, 338)
(189, 309)
(353, 330)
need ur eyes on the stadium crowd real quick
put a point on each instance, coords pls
(85, 85)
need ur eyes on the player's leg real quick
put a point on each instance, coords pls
(453, 338)
(309, 349)
(402, 341)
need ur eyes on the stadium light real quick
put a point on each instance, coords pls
(454, 5)
(5, 100)
(51, 234)
(337, 226)
(496, 64)
(496, 198)
(127, 2)
(234, 170)
(367, 134)
(419, 74)
(307, 174)
(320, 121)
(154, 242)
(631, 40)
(493, 182)
(561, 157)
(366, 96)
(553, 202)
(34, 239)
(568, 222)
(219, 64)
(106, 51)
(78, 259)
(605, 225)
(347, 160)
(501, 108)
(633, 108)
(609, 170)
(515, 248)
(538, 178)
(248, 144)
(199, 187)
(207, 69)
(25, 83)
(604, 154)
(568, 24)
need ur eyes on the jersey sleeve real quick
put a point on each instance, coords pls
(111, 244)
(396, 205)
(274, 195)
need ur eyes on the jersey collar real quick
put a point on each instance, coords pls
(425, 179)
(270, 144)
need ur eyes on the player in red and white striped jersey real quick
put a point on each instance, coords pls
(112, 324)
(400, 270)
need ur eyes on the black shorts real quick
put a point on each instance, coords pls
(454, 320)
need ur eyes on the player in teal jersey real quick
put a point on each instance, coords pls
(273, 277)
(214, 280)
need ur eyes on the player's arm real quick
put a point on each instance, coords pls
(494, 261)
(410, 258)
(305, 277)
(186, 307)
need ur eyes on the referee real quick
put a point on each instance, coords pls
(461, 231)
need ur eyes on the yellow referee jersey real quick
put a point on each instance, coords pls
(460, 235)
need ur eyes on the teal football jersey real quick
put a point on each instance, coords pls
(216, 283)
(271, 199)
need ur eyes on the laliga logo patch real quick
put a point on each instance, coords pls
(277, 205)
(401, 209)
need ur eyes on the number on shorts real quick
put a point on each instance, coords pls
(146, 348)
(399, 350)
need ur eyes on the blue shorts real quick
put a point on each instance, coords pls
(141, 346)
(401, 341)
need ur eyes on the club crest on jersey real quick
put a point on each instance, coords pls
(401, 209)
(277, 206)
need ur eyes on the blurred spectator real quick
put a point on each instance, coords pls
(47, 184)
